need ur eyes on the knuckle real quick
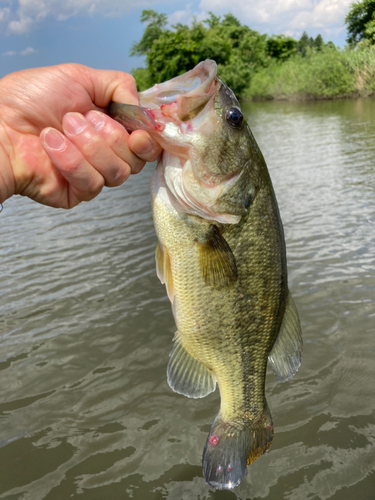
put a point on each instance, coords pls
(127, 79)
(118, 176)
(93, 189)
(137, 165)
(92, 146)
(71, 166)
(115, 137)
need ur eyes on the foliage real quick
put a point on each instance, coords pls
(360, 22)
(305, 43)
(171, 52)
(143, 78)
(281, 47)
(362, 63)
(238, 50)
(155, 25)
(260, 66)
(327, 73)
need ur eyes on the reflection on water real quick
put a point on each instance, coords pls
(85, 329)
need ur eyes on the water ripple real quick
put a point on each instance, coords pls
(86, 330)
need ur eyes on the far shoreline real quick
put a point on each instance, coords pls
(306, 97)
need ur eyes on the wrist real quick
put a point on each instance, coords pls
(7, 183)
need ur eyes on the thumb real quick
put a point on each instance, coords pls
(105, 86)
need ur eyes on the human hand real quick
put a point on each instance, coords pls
(56, 144)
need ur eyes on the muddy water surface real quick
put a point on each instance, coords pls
(86, 329)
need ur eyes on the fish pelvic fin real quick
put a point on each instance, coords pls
(232, 446)
(186, 375)
(286, 354)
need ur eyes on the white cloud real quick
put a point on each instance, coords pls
(9, 53)
(270, 16)
(4, 13)
(20, 26)
(327, 14)
(30, 12)
(186, 16)
(285, 16)
(26, 52)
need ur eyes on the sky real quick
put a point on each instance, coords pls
(99, 33)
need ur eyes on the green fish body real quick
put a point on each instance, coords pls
(221, 254)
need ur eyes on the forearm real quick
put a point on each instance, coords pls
(7, 183)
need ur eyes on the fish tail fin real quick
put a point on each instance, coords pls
(232, 446)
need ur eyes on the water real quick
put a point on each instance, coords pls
(86, 329)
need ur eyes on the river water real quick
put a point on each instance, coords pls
(86, 330)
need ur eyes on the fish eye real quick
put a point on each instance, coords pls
(234, 117)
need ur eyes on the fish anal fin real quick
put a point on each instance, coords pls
(163, 269)
(286, 354)
(186, 375)
(216, 260)
(231, 447)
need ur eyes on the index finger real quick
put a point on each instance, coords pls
(104, 86)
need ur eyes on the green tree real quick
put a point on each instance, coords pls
(281, 47)
(179, 50)
(143, 78)
(155, 25)
(213, 20)
(303, 44)
(318, 43)
(237, 49)
(306, 44)
(247, 52)
(360, 22)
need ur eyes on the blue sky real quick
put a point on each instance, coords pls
(99, 33)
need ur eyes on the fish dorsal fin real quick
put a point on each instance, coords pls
(163, 269)
(186, 375)
(216, 260)
(285, 357)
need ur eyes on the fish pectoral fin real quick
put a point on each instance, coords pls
(285, 357)
(163, 269)
(186, 375)
(216, 260)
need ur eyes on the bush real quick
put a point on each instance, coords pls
(362, 62)
(324, 74)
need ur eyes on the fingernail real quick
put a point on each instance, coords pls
(54, 139)
(97, 120)
(74, 123)
(142, 146)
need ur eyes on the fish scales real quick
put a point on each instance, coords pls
(241, 321)
(221, 254)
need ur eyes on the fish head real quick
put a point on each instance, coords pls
(207, 143)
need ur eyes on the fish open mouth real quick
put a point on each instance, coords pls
(179, 100)
(189, 92)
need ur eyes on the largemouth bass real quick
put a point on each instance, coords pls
(221, 254)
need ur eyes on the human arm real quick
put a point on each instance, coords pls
(56, 145)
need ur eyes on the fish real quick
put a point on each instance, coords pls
(221, 255)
